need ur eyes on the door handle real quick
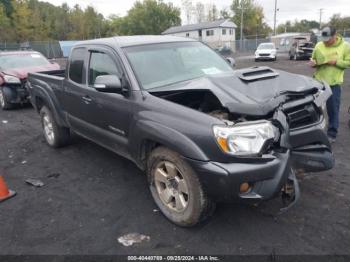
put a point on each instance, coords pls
(87, 99)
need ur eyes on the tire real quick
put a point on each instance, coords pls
(4, 103)
(176, 188)
(54, 135)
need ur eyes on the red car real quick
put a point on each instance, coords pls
(14, 69)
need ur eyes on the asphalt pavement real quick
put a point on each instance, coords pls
(92, 196)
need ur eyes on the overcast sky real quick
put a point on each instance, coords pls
(288, 9)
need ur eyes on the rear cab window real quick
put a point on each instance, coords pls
(76, 66)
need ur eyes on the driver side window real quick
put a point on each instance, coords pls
(101, 64)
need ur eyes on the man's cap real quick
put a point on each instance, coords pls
(327, 33)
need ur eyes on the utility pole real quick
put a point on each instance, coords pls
(242, 13)
(274, 18)
(321, 11)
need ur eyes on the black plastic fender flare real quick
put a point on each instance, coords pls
(167, 137)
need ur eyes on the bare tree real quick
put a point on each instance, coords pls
(188, 8)
(200, 12)
(212, 12)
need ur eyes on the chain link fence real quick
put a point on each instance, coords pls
(50, 49)
(245, 46)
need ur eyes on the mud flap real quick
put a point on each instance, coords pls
(293, 196)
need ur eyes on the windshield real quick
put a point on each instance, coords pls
(266, 46)
(165, 64)
(22, 61)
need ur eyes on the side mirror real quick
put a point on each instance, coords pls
(108, 84)
(231, 61)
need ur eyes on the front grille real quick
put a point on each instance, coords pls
(303, 115)
(264, 54)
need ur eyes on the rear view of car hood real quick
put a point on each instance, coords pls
(253, 91)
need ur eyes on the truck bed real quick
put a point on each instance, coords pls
(49, 85)
(49, 79)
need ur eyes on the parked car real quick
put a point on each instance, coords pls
(224, 50)
(301, 49)
(202, 131)
(14, 69)
(266, 51)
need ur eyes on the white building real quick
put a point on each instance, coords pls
(216, 34)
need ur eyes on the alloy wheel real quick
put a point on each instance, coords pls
(2, 99)
(171, 186)
(48, 128)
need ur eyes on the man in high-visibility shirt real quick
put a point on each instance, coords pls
(331, 57)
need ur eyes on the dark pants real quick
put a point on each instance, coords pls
(333, 107)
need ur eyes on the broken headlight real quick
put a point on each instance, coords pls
(11, 79)
(243, 139)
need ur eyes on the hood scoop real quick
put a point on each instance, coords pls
(257, 73)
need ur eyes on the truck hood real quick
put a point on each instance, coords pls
(22, 73)
(245, 93)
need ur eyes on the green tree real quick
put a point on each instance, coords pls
(5, 25)
(225, 14)
(149, 17)
(8, 8)
(21, 20)
(253, 19)
(341, 23)
(297, 26)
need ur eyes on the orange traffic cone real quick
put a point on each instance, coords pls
(5, 193)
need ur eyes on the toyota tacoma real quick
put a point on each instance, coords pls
(202, 131)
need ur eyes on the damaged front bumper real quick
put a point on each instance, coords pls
(266, 177)
(305, 149)
(16, 94)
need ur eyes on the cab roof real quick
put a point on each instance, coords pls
(124, 41)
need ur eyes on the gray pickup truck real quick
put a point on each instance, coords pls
(202, 131)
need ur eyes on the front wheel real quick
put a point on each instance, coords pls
(4, 103)
(55, 135)
(176, 188)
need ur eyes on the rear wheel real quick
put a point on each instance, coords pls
(55, 135)
(4, 103)
(176, 188)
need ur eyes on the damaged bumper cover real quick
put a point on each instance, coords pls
(305, 149)
(266, 177)
(16, 93)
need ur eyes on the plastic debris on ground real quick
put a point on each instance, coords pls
(5, 121)
(133, 238)
(34, 182)
(53, 175)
